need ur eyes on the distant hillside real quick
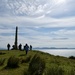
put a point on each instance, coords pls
(16, 62)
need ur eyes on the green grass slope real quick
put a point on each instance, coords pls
(54, 65)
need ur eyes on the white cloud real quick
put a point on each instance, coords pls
(40, 22)
(34, 15)
(64, 32)
(33, 7)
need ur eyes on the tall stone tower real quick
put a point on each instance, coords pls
(16, 39)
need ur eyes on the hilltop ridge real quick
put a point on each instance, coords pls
(54, 65)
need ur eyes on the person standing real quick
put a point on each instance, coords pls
(20, 47)
(8, 46)
(26, 48)
(30, 47)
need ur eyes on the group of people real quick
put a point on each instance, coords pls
(26, 47)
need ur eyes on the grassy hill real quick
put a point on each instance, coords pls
(16, 62)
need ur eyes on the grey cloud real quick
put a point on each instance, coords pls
(60, 38)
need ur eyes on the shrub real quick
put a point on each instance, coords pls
(54, 70)
(36, 66)
(12, 62)
(26, 60)
(1, 53)
(22, 55)
(71, 57)
(2, 60)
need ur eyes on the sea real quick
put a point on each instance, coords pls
(59, 52)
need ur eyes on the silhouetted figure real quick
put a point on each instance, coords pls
(30, 47)
(8, 46)
(20, 47)
(26, 47)
(13, 47)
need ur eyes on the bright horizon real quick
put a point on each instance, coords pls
(41, 23)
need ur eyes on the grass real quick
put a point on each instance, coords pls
(1, 53)
(2, 60)
(34, 60)
(25, 60)
(54, 70)
(36, 66)
(12, 62)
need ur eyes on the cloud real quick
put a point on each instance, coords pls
(26, 7)
(41, 23)
(64, 10)
(64, 32)
(34, 8)
(37, 8)
(60, 38)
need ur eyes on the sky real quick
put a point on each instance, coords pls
(41, 23)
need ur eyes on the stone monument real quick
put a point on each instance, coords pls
(16, 39)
